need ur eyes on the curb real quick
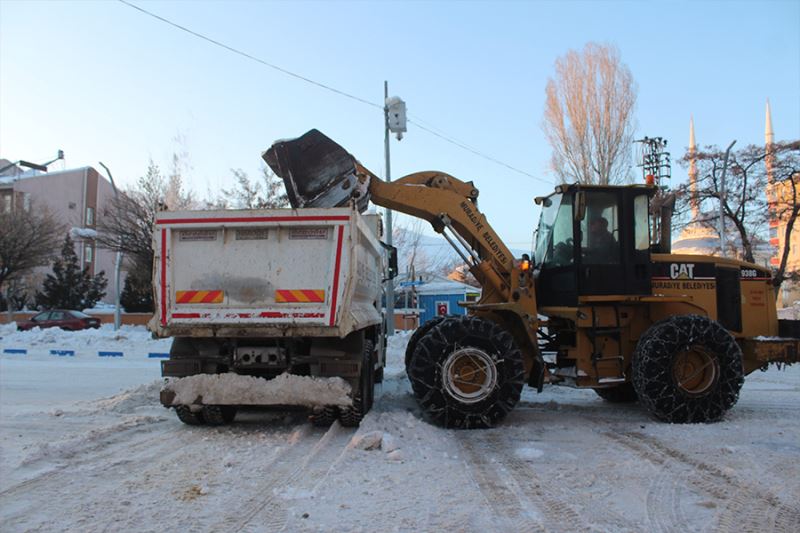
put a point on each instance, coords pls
(62, 353)
(156, 355)
(109, 354)
(15, 351)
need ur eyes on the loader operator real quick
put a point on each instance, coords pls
(602, 246)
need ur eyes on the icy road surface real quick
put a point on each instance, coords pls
(86, 447)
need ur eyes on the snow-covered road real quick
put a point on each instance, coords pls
(86, 447)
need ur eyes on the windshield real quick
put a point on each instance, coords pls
(544, 233)
(554, 244)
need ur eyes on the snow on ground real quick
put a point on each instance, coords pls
(85, 446)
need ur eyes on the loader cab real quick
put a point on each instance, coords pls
(593, 241)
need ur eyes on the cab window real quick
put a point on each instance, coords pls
(600, 230)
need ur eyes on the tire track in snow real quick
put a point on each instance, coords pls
(86, 450)
(501, 493)
(747, 508)
(307, 458)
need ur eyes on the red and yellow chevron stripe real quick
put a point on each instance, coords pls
(199, 297)
(299, 295)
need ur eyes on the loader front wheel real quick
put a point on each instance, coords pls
(466, 373)
(624, 393)
(419, 333)
(688, 369)
(189, 417)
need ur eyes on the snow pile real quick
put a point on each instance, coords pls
(234, 389)
(130, 400)
(132, 340)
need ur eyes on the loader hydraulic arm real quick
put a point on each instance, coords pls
(318, 172)
(450, 205)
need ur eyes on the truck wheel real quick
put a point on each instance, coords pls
(189, 417)
(419, 333)
(325, 416)
(219, 415)
(624, 393)
(362, 401)
(687, 369)
(467, 372)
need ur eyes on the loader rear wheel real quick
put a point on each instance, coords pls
(421, 332)
(189, 417)
(219, 415)
(351, 416)
(688, 369)
(624, 393)
(466, 373)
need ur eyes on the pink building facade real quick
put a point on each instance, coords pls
(79, 198)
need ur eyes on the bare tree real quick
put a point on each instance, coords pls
(267, 193)
(746, 204)
(588, 116)
(28, 239)
(785, 204)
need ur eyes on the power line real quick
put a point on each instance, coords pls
(251, 57)
(416, 121)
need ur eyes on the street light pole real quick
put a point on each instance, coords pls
(118, 263)
(390, 282)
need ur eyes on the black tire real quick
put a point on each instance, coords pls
(219, 415)
(624, 393)
(419, 333)
(351, 416)
(325, 416)
(435, 367)
(189, 417)
(688, 369)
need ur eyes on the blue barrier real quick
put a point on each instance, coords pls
(109, 354)
(155, 355)
(15, 351)
(62, 353)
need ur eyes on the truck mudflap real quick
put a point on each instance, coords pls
(766, 350)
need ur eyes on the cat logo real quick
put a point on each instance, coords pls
(681, 271)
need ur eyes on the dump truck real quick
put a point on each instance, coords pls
(601, 304)
(278, 298)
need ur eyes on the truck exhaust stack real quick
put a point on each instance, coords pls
(317, 172)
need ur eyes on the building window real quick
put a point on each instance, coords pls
(5, 207)
(88, 253)
(72, 205)
(26, 201)
(90, 216)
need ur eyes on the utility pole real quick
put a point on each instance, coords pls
(394, 116)
(390, 283)
(722, 193)
(118, 262)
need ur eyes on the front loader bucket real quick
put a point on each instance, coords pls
(317, 171)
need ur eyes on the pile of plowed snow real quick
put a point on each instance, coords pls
(286, 389)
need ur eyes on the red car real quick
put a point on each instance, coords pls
(60, 318)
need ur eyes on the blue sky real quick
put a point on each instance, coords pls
(105, 82)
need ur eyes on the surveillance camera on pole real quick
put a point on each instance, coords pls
(396, 116)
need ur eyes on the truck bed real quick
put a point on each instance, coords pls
(264, 273)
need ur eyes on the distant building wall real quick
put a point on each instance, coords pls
(78, 198)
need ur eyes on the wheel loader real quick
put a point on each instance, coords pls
(601, 304)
